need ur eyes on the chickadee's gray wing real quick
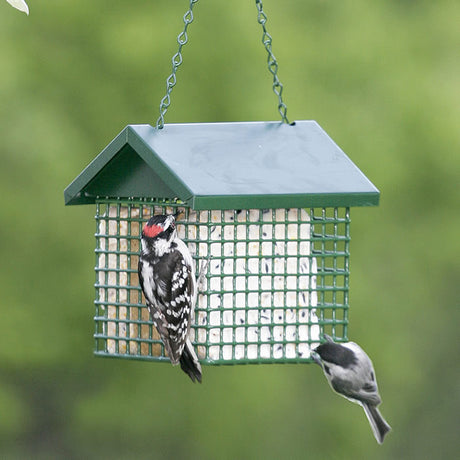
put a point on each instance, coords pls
(366, 389)
(343, 387)
(366, 393)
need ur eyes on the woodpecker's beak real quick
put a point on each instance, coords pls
(178, 213)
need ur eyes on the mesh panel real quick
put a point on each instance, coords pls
(274, 279)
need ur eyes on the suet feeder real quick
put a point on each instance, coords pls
(266, 205)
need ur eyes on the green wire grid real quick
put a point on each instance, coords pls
(275, 281)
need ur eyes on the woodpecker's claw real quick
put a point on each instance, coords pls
(202, 274)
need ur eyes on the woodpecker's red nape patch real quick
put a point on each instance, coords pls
(152, 230)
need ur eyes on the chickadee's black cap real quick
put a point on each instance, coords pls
(335, 353)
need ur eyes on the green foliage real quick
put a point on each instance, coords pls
(381, 77)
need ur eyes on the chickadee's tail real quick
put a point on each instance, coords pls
(189, 362)
(378, 424)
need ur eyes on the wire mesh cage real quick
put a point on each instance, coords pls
(275, 280)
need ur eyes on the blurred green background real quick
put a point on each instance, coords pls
(381, 77)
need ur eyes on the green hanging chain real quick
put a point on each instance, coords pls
(272, 62)
(182, 39)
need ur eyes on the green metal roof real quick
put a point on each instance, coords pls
(226, 166)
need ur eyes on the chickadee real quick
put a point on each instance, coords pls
(351, 374)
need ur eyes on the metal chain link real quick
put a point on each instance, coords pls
(272, 62)
(182, 39)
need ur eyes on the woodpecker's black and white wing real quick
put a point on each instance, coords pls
(169, 288)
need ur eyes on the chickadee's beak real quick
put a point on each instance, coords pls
(316, 358)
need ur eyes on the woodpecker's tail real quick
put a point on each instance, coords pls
(189, 362)
(378, 424)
